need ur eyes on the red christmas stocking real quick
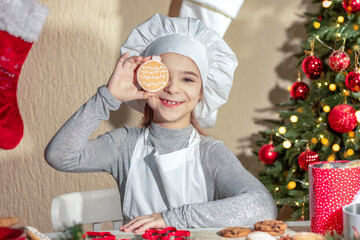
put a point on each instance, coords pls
(13, 52)
(20, 24)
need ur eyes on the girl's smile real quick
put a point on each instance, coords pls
(169, 103)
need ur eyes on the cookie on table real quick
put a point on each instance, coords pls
(270, 226)
(307, 236)
(234, 232)
(259, 236)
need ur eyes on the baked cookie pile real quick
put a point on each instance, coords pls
(268, 230)
(268, 227)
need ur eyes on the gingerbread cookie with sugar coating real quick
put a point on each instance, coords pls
(307, 236)
(152, 75)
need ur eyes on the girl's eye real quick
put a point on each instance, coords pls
(188, 80)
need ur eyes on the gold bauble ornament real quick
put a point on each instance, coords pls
(350, 152)
(314, 141)
(326, 3)
(294, 118)
(316, 25)
(282, 130)
(331, 158)
(351, 134)
(287, 144)
(291, 185)
(326, 108)
(332, 87)
(335, 147)
(325, 141)
(340, 19)
(357, 115)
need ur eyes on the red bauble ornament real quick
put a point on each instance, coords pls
(351, 6)
(312, 67)
(339, 60)
(299, 90)
(342, 118)
(267, 155)
(352, 81)
(306, 158)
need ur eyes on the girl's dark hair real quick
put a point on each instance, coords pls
(149, 115)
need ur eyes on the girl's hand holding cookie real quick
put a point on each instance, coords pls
(123, 83)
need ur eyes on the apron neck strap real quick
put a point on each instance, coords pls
(194, 138)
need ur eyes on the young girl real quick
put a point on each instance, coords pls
(168, 172)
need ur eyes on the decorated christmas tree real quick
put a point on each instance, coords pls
(320, 121)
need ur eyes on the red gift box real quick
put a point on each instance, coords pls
(330, 189)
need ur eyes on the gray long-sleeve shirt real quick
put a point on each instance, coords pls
(235, 197)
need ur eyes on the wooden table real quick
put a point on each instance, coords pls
(205, 233)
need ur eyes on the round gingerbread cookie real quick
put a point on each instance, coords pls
(307, 236)
(234, 232)
(270, 225)
(152, 75)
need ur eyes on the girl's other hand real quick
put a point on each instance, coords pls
(123, 83)
(142, 223)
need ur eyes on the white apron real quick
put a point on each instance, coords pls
(159, 182)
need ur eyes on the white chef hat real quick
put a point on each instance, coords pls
(191, 38)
